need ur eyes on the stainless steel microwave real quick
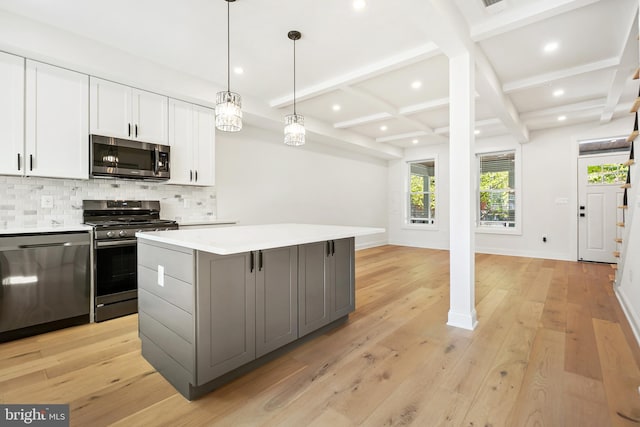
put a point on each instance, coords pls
(123, 158)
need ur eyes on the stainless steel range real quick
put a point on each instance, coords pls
(115, 223)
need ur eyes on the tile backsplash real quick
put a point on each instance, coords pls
(21, 199)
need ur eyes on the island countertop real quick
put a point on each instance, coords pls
(238, 239)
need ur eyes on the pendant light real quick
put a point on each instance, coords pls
(228, 104)
(294, 123)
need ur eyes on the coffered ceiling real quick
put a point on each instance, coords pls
(378, 77)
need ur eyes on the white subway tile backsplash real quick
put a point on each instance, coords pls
(20, 199)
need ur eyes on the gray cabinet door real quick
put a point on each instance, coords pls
(313, 287)
(276, 298)
(342, 278)
(225, 314)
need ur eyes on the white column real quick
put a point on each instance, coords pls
(462, 312)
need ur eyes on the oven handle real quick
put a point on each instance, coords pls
(100, 244)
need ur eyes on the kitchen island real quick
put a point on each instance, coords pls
(216, 303)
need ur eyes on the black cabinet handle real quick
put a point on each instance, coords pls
(30, 162)
(196, 176)
(136, 130)
(251, 262)
(18, 161)
(128, 129)
(259, 260)
(333, 247)
(328, 247)
(190, 175)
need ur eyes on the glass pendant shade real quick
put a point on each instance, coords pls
(294, 129)
(228, 111)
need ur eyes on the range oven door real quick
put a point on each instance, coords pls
(122, 158)
(116, 278)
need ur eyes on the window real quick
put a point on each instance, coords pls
(497, 201)
(608, 173)
(422, 192)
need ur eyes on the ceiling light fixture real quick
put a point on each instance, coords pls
(336, 107)
(228, 104)
(383, 128)
(359, 4)
(294, 132)
(476, 132)
(415, 141)
(558, 92)
(238, 70)
(416, 85)
(562, 118)
(551, 47)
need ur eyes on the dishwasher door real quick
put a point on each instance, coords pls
(44, 282)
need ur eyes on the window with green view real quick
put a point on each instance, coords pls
(497, 198)
(422, 192)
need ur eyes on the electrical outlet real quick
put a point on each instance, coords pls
(544, 239)
(46, 201)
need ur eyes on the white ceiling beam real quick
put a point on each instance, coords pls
(628, 56)
(543, 79)
(511, 19)
(565, 109)
(401, 136)
(424, 106)
(372, 118)
(450, 31)
(391, 63)
(479, 124)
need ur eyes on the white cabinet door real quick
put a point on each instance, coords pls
(150, 117)
(124, 112)
(192, 139)
(205, 142)
(110, 109)
(11, 114)
(181, 142)
(57, 128)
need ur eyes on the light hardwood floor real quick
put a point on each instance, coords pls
(552, 348)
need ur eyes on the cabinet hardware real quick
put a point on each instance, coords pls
(259, 260)
(18, 161)
(333, 247)
(30, 162)
(136, 127)
(196, 176)
(190, 175)
(328, 247)
(128, 129)
(251, 262)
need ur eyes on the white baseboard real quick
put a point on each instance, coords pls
(370, 244)
(467, 321)
(632, 317)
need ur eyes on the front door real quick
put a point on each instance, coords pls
(599, 196)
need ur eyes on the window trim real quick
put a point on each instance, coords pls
(407, 191)
(517, 230)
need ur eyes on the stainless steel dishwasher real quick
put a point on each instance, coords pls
(44, 282)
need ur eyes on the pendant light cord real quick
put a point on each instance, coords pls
(294, 76)
(228, 50)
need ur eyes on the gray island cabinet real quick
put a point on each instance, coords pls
(210, 311)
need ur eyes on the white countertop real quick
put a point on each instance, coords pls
(238, 239)
(49, 229)
(206, 222)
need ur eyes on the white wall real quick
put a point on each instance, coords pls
(549, 168)
(260, 180)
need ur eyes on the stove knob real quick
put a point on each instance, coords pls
(110, 234)
(122, 233)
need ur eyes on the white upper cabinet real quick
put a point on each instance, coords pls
(56, 125)
(192, 140)
(125, 112)
(11, 114)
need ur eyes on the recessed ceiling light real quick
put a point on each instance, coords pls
(383, 128)
(558, 92)
(476, 132)
(416, 85)
(562, 118)
(359, 4)
(415, 141)
(238, 70)
(336, 107)
(551, 47)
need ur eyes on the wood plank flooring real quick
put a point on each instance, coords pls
(552, 348)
